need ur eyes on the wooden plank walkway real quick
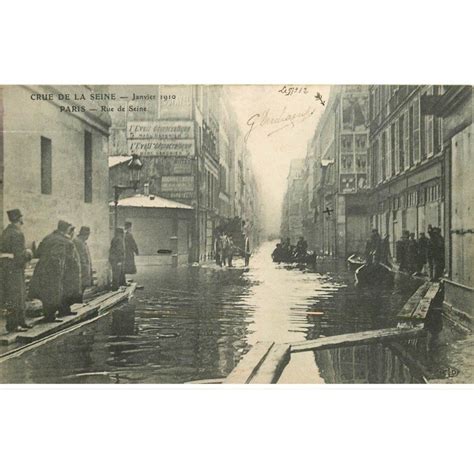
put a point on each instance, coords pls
(364, 337)
(265, 362)
(420, 303)
(248, 366)
(84, 311)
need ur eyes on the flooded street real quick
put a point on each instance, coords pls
(191, 323)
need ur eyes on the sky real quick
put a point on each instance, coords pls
(278, 124)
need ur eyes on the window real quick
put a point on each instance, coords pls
(384, 155)
(416, 130)
(401, 144)
(410, 137)
(429, 136)
(393, 153)
(87, 167)
(46, 166)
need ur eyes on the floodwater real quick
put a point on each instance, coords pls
(192, 323)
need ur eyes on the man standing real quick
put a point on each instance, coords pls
(412, 253)
(72, 276)
(56, 279)
(373, 247)
(402, 251)
(117, 259)
(131, 249)
(423, 244)
(13, 258)
(82, 248)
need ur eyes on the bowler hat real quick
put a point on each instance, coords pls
(14, 215)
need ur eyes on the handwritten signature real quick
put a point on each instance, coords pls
(276, 122)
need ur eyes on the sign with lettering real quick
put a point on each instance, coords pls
(161, 130)
(161, 147)
(177, 184)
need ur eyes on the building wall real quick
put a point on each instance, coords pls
(154, 230)
(24, 124)
(407, 155)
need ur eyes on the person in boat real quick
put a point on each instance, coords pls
(373, 247)
(412, 253)
(385, 255)
(301, 248)
(286, 250)
(401, 251)
(423, 244)
(277, 254)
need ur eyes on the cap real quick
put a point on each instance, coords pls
(14, 215)
(63, 226)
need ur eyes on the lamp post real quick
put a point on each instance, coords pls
(134, 169)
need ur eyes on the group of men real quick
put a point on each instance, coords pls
(286, 252)
(62, 273)
(413, 254)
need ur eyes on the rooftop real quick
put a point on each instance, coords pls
(151, 201)
(116, 160)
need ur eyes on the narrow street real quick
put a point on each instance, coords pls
(191, 323)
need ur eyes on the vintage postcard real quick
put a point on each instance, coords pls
(236, 234)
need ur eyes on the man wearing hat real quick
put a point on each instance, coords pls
(13, 258)
(82, 248)
(131, 249)
(56, 279)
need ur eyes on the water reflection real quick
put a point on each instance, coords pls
(194, 323)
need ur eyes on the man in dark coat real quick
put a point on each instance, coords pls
(84, 257)
(402, 251)
(412, 253)
(373, 247)
(13, 258)
(117, 259)
(72, 276)
(131, 249)
(56, 280)
(423, 244)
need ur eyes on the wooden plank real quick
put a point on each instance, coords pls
(249, 364)
(273, 365)
(432, 290)
(364, 337)
(84, 311)
(410, 306)
(426, 302)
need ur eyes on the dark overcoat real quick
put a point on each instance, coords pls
(72, 274)
(131, 249)
(12, 270)
(56, 278)
(86, 262)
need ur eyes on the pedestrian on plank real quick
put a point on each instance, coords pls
(57, 276)
(13, 258)
(131, 249)
(82, 248)
(117, 259)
